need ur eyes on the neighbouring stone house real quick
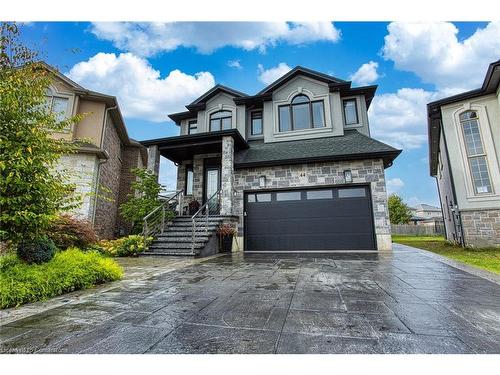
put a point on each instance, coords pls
(105, 155)
(294, 165)
(464, 154)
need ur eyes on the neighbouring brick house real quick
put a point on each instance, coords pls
(293, 165)
(464, 155)
(101, 166)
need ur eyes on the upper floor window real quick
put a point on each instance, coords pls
(192, 127)
(256, 123)
(301, 113)
(58, 106)
(350, 112)
(475, 152)
(220, 120)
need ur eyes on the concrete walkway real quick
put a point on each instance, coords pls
(404, 302)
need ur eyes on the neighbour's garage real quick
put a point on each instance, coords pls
(322, 219)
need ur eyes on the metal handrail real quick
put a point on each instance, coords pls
(156, 223)
(206, 216)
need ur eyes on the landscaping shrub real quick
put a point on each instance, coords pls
(69, 270)
(125, 246)
(69, 231)
(36, 251)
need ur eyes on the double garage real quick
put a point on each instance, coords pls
(302, 220)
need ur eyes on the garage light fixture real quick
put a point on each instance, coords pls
(347, 176)
(262, 181)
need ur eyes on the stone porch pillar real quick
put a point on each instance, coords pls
(154, 159)
(227, 176)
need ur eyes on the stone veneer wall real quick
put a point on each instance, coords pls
(481, 227)
(108, 185)
(131, 158)
(81, 170)
(318, 174)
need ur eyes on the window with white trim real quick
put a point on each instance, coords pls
(57, 105)
(476, 155)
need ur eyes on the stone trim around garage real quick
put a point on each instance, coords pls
(481, 227)
(319, 174)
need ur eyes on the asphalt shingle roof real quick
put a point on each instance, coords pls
(352, 145)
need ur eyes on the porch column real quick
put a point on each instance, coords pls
(154, 159)
(227, 171)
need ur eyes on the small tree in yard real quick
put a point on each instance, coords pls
(399, 212)
(143, 199)
(32, 191)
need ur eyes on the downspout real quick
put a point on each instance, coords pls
(101, 161)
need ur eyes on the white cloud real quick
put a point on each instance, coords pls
(267, 76)
(434, 53)
(400, 118)
(140, 89)
(394, 185)
(234, 64)
(147, 39)
(366, 74)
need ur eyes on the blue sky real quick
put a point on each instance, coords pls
(145, 65)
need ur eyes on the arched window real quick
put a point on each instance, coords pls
(475, 152)
(220, 120)
(301, 113)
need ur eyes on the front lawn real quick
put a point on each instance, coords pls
(69, 270)
(485, 258)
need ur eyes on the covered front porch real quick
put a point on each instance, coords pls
(205, 166)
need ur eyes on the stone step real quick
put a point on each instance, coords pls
(181, 219)
(163, 239)
(176, 245)
(190, 223)
(169, 253)
(180, 228)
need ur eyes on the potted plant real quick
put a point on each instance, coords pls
(226, 233)
(193, 207)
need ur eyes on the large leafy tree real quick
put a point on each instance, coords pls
(32, 190)
(399, 212)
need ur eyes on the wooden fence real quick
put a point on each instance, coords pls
(418, 230)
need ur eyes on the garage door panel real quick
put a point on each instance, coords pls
(310, 224)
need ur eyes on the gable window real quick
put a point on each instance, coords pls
(193, 127)
(475, 152)
(301, 114)
(220, 120)
(58, 106)
(256, 123)
(189, 180)
(350, 112)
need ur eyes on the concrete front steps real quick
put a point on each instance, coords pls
(176, 238)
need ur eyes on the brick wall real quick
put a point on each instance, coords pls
(131, 158)
(481, 228)
(108, 185)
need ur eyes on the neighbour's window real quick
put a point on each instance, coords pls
(350, 112)
(475, 152)
(256, 123)
(193, 127)
(189, 180)
(58, 106)
(220, 120)
(301, 114)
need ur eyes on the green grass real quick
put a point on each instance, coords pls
(486, 258)
(69, 270)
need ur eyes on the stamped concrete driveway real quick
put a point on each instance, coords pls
(404, 302)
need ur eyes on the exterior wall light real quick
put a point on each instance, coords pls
(262, 181)
(347, 176)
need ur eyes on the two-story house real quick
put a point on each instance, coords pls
(100, 167)
(464, 154)
(294, 165)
